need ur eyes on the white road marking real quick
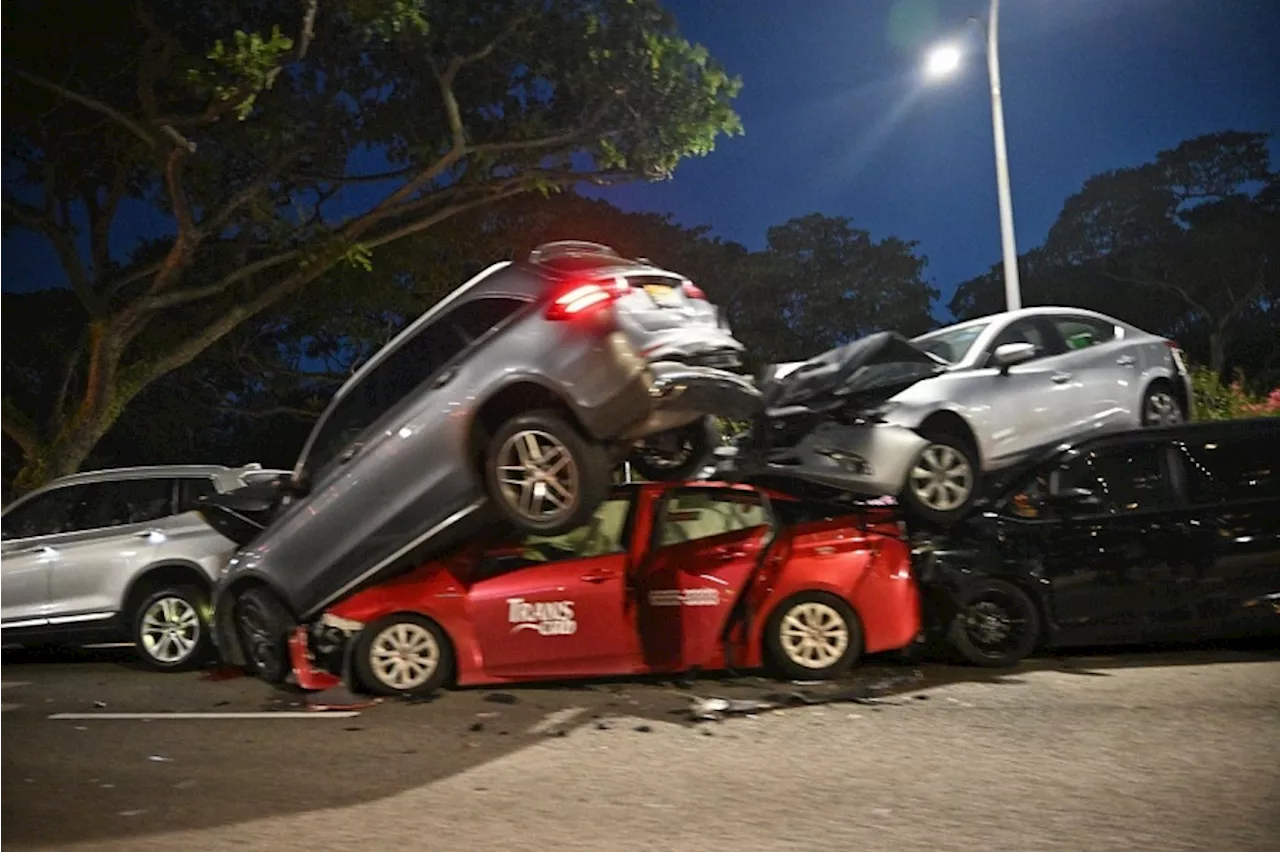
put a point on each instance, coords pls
(279, 714)
(11, 684)
(555, 719)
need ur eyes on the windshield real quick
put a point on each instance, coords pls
(951, 345)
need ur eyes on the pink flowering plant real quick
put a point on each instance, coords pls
(1215, 399)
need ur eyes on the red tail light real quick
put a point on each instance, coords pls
(693, 291)
(584, 298)
(1172, 344)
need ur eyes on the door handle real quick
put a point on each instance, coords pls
(39, 548)
(444, 378)
(1061, 378)
(1125, 359)
(596, 578)
(145, 534)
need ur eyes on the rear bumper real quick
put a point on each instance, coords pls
(872, 460)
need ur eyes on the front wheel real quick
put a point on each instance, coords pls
(543, 475)
(676, 454)
(263, 626)
(942, 483)
(996, 625)
(403, 654)
(813, 636)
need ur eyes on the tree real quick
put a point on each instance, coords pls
(822, 282)
(280, 140)
(1199, 227)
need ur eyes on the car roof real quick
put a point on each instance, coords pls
(1035, 311)
(176, 471)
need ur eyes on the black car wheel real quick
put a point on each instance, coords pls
(942, 483)
(171, 628)
(676, 454)
(263, 625)
(403, 654)
(813, 636)
(996, 625)
(1160, 407)
(543, 475)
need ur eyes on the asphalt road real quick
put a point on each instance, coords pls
(1166, 750)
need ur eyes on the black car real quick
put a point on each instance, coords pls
(1163, 534)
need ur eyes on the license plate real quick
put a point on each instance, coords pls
(662, 294)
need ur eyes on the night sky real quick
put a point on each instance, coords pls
(840, 120)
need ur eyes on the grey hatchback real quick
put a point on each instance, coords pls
(511, 399)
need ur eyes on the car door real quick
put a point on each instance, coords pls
(705, 546)
(117, 528)
(558, 606)
(1100, 539)
(1103, 370)
(35, 530)
(1231, 480)
(1026, 406)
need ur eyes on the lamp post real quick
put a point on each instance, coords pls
(941, 62)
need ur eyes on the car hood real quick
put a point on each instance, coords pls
(869, 369)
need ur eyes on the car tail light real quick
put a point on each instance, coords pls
(1172, 344)
(693, 291)
(584, 298)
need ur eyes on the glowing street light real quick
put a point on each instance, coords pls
(943, 61)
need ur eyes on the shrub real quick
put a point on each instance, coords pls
(1214, 399)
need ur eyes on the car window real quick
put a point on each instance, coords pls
(48, 514)
(479, 315)
(1231, 469)
(693, 515)
(1028, 501)
(191, 489)
(124, 501)
(1125, 478)
(1023, 331)
(1083, 332)
(951, 346)
(380, 390)
(605, 534)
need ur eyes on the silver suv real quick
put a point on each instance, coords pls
(118, 554)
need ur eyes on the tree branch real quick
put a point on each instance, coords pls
(292, 411)
(19, 427)
(247, 193)
(65, 246)
(195, 294)
(90, 103)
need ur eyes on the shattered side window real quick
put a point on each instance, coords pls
(693, 515)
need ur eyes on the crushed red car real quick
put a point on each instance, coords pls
(665, 578)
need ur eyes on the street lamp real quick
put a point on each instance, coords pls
(944, 60)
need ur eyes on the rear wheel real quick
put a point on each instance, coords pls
(171, 628)
(942, 483)
(676, 454)
(996, 625)
(403, 654)
(813, 636)
(1160, 407)
(263, 626)
(543, 475)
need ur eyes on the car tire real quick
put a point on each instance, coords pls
(694, 444)
(584, 477)
(1160, 406)
(995, 625)
(833, 647)
(946, 462)
(263, 625)
(403, 654)
(171, 629)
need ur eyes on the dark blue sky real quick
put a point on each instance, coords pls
(840, 120)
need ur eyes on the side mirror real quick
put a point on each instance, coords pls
(1008, 354)
(1075, 497)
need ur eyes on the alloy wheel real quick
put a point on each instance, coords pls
(814, 635)
(404, 656)
(538, 475)
(255, 632)
(942, 478)
(1162, 410)
(993, 625)
(170, 630)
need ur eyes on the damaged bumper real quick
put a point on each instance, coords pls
(319, 652)
(870, 459)
(681, 393)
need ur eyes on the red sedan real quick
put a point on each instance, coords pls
(667, 577)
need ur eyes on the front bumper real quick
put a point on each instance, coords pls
(868, 459)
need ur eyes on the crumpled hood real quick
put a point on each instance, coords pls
(879, 362)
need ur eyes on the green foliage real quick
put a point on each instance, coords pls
(243, 71)
(1215, 399)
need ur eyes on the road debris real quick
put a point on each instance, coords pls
(159, 758)
(715, 709)
(339, 698)
(501, 698)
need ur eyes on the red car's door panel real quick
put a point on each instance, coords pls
(567, 618)
(687, 591)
